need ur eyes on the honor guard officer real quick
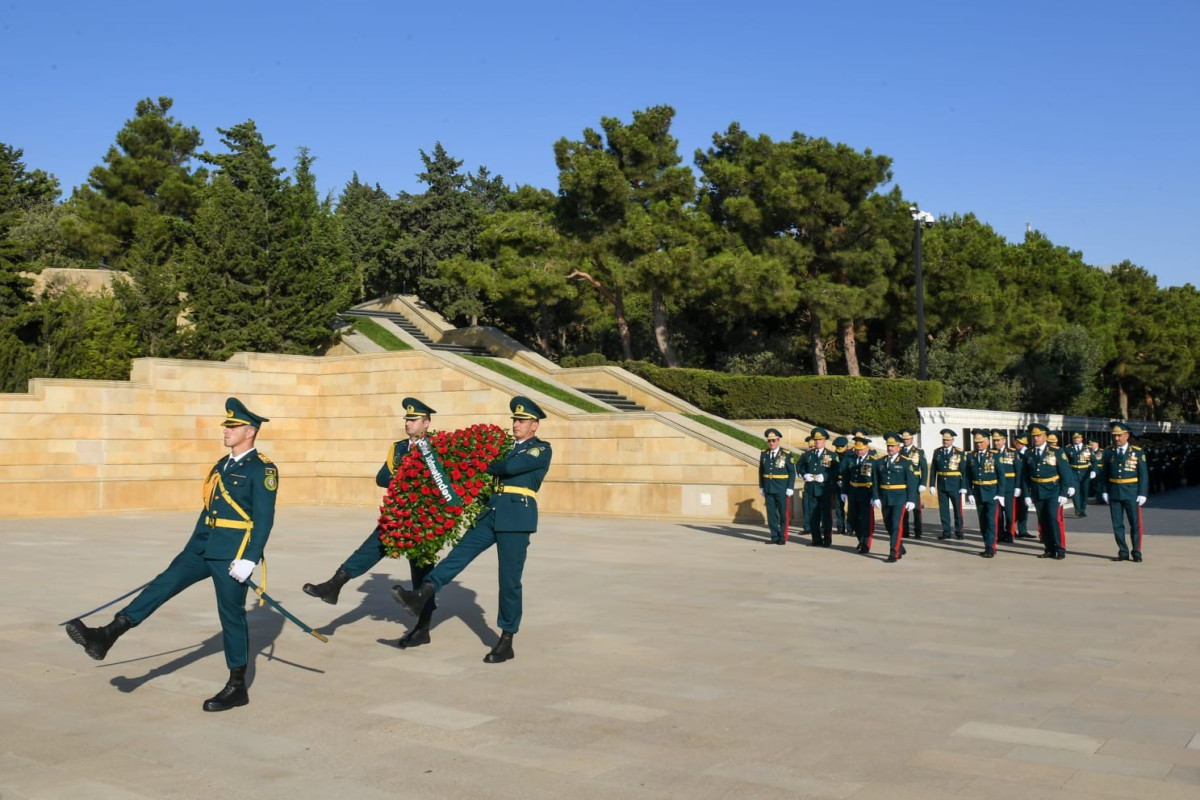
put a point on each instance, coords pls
(1124, 484)
(1048, 488)
(1021, 512)
(1097, 467)
(858, 490)
(510, 519)
(776, 483)
(1010, 485)
(817, 467)
(895, 494)
(917, 456)
(946, 476)
(417, 417)
(983, 472)
(840, 447)
(1080, 459)
(226, 543)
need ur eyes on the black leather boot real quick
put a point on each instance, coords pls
(503, 650)
(328, 591)
(234, 694)
(419, 635)
(97, 641)
(413, 599)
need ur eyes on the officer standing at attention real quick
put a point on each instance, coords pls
(983, 472)
(1021, 515)
(1097, 467)
(510, 519)
(895, 494)
(817, 467)
(858, 490)
(1048, 487)
(226, 543)
(776, 483)
(946, 476)
(840, 445)
(917, 456)
(1080, 459)
(417, 417)
(1010, 485)
(1124, 483)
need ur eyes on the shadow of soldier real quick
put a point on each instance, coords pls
(747, 514)
(378, 604)
(265, 626)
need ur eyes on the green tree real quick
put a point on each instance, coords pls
(24, 195)
(1062, 376)
(364, 213)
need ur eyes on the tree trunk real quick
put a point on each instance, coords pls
(617, 298)
(1122, 401)
(1150, 412)
(817, 343)
(545, 334)
(661, 338)
(849, 346)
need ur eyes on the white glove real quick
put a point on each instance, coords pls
(1029, 502)
(791, 492)
(819, 478)
(1141, 500)
(920, 490)
(971, 499)
(1070, 491)
(844, 498)
(909, 506)
(240, 570)
(1062, 501)
(763, 492)
(807, 477)
(1000, 500)
(877, 503)
(1016, 492)
(962, 491)
(1092, 475)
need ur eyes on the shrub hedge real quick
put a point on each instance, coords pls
(837, 402)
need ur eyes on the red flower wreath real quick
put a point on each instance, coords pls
(417, 518)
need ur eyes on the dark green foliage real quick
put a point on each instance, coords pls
(836, 402)
(586, 360)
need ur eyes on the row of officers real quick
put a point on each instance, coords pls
(1007, 485)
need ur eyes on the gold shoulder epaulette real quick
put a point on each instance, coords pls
(263, 458)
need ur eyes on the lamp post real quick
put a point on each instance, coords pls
(921, 219)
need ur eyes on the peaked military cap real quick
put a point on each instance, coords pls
(415, 409)
(860, 439)
(980, 436)
(1077, 435)
(891, 438)
(998, 434)
(772, 431)
(1022, 439)
(1052, 438)
(819, 434)
(237, 414)
(948, 433)
(1037, 429)
(841, 441)
(906, 433)
(524, 408)
(1093, 440)
(1120, 427)
(858, 432)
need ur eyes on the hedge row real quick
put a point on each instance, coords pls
(837, 402)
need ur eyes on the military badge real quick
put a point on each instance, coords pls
(272, 479)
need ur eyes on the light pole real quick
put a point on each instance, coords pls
(921, 219)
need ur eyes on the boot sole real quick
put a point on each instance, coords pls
(74, 630)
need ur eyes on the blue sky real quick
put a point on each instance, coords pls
(1079, 118)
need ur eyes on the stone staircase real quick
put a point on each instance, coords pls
(612, 398)
(402, 322)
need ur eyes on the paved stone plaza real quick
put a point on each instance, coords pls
(655, 661)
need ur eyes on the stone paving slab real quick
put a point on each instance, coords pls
(656, 660)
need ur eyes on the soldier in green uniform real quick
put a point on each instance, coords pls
(776, 483)
(1080, 459)
(895, 494)
(857, 478)
(1124, 484)
(226, 543)
(1010, 485)
(1097, 467)
(1049, 484)
(817, 468)
(417, 417)
(983, 473)
(946, 467)
(839, 505)
(1021, 513)
(510, 519)
(917, 456)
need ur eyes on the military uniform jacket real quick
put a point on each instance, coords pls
(857, 479)
(983, 472)
(819, 462)
(396, 454)
(917, 456)
(238, 499)
(1080, 461)
(895, 483)
(776, 472)
(1098, 459)
(1048, 475)
(1010, 462)
(1124, 478)
(946, 469)
(523, 469)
